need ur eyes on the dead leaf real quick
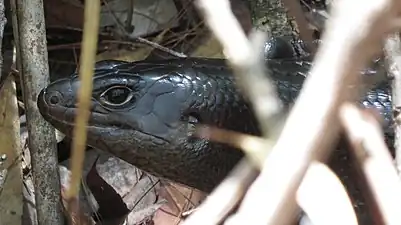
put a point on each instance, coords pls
(111, 205)
(143, 215)
(180, 199)
(10, 156)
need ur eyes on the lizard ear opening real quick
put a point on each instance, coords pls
(191, 118)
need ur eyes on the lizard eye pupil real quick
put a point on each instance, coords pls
(116, 96)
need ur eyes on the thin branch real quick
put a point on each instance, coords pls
(226, 196)
(321, 195)
(319, 186)
(371, 151)
(30, 33)
(347, 47)
(392, 50)
(130, 15)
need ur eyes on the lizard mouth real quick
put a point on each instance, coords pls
(64, 116)
(63, 119)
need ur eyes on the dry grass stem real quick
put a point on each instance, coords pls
(89, 45)
(321, 195)
(372, 154)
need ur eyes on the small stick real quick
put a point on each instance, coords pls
(321, 195)
(29, 31)
(392, 50)
(371, 152)
(215, 208)
(347, 47)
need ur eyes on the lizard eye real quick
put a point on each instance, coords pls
(116, 96)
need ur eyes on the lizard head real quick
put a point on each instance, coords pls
(145, 113)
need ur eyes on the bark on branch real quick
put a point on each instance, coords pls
(30, 36)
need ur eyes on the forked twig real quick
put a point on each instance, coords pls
(347, 47)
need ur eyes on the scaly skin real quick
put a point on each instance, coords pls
(152, 130)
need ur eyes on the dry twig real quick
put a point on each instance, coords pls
(372, 154)
(321, 194)
(216, 207)
(347, 47)
(392, 49)
(30, 36)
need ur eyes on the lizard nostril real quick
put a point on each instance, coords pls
(55, 98)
